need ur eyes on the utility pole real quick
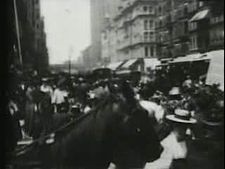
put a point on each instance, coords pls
(70, 55)
(18, 32)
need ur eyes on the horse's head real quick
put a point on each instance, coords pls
(134, 141)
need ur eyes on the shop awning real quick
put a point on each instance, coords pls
(115, 65)
(151, 63)
(190, 58)
(216, 69)
(123, 72)
(200, 15)
(129, 63)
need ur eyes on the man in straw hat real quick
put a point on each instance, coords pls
(46, 87)
(175, 146)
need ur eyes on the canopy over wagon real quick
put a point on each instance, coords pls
(216, 68)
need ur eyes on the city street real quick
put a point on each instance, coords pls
(114, 84)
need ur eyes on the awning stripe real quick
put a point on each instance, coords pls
(114, 66)
(129, 63)
(200, 15)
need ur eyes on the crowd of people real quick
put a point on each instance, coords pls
(189, 108)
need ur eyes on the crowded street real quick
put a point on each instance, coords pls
(40, 108)
(113, 84)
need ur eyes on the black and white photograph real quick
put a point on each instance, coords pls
(113, 84)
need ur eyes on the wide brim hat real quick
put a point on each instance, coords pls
(45, 79)
(181, 116)
(212, 123)
(157, 95)
(175, 91)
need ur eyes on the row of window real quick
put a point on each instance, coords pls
(216, 36)
(192, 26)
(149, 36)
(182, 9)
(217, 19)
(149, 51)
(148, 9)
(179, 49)
(193, 42)
(149, 24)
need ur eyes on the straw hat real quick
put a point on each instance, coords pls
(45, 79)
(182, 116)
(175, 91)
(212, 123)
(157, 95)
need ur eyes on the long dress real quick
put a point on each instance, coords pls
(31, 119)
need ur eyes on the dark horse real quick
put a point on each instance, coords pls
(118, 130)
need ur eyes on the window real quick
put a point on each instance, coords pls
(192, 26)
(146, 24)
(152, 50)
(201, 4)
(151, 24)
(185, 27)
(160, 10)
(37, 16)
(150, 9)
(105, 36)
(146, 36)
(151, 36)
(160, 23)
(33, 23)
(146, 51)
(145, 8)
(194, 43)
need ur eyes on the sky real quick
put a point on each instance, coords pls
(67, 25)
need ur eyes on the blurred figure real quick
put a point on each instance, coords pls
(46, 87)
(188, 82)
(60, 99)
(12, 128)
(30, 107)
(174, 101)
(175, 144)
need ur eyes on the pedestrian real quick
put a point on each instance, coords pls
(188, 82)
(175, 144)
(174, 100)
(46, 87)
(30, 107)
(59, 99)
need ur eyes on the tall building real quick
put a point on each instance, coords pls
(102, 11)
(132, 34)
(32, 35)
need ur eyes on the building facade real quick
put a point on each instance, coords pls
(88, 60)
(189, 26)
(131, 35)
(217, 25)
(32, 35)
(102, 11)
